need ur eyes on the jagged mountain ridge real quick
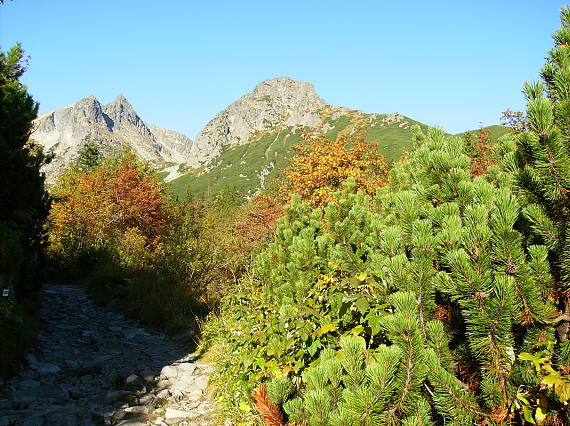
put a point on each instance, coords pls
(63, 132)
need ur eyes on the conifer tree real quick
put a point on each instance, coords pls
(542, 166)
(24, 205)
(23, 200)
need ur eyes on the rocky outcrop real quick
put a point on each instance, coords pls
(275, 103)
(176, 144)
(116, 124)
(91, 366)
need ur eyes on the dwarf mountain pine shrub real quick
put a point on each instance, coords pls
(411, 307)
(541, 166)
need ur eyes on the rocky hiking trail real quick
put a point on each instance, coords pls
(91, 366)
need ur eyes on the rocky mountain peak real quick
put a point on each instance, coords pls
(286, 87)
(64, 131)
(88, 110)
(279, 102)
(122, 114)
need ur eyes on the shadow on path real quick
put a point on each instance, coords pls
(92, 366)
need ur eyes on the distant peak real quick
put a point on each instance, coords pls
(120, 100)
(282, 81)
(88, 100)
(287, 88)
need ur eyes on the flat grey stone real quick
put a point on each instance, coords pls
(176, 415)
(137, 409)
(194, 395)
(201, 382)
(133, 379)
(163, 394)
(119, 415)
(146, 399)
(185, 368)
(169, 371)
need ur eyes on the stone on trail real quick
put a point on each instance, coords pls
(176, 415)
(169, 371)
(137, 409)
(185, 368)
(163, 394)
(133, 379)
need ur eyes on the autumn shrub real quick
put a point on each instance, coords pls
(259, 221)
(107, 208)
(480, 151)
(320, 167)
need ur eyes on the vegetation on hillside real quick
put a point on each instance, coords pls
(247, 168)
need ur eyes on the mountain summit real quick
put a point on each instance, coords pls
(116, 124)
(272, 104)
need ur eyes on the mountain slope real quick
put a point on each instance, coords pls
(495, 131)
(244, 146)
(248, 143)
(247, 168)
(116, 124)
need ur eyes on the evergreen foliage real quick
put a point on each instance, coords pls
(541, 166)
(23, 201)
(90, 155)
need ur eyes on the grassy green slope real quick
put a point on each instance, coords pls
(495, 132)
(239, 167)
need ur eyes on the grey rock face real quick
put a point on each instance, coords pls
(174, 145)
(273, 103)
(64, 131)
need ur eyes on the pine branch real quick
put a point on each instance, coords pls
(270, 412)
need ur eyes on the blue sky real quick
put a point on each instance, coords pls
(449, 63)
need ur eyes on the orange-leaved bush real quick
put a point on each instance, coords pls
(104, 207)
(260, 221)
(480, 151)
(321, 166)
